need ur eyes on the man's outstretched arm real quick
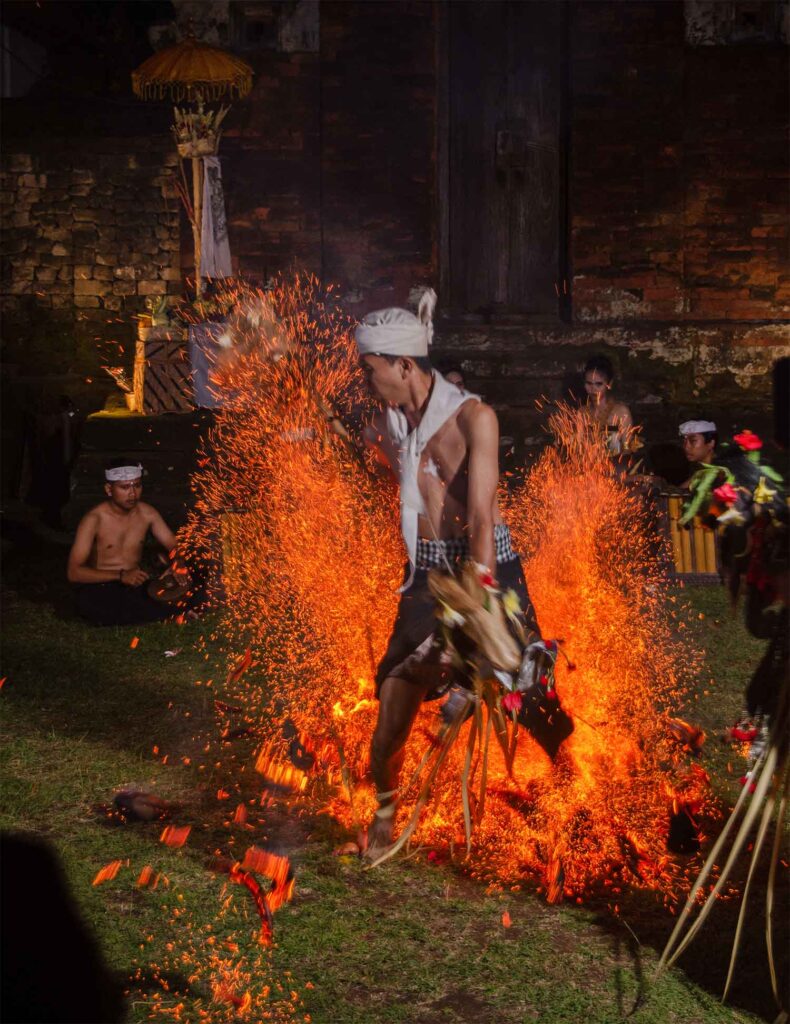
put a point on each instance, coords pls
(482, 434)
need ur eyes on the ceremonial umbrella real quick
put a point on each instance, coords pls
(197, 73)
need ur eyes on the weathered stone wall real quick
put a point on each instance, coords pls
(677, 197)
(679, 167)
(89, 232)
(678, 216)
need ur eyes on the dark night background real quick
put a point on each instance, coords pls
(572, 177)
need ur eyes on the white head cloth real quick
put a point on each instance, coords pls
(697, 427)
(445, 400)
(397, 332)
(123, 473)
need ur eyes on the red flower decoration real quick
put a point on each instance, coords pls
(744, 734)
(748, 441)
(512, 702)
(726, 494)
(551, 645)
(488, 580)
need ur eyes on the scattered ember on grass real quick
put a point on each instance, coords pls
(275, 868)
(108, 872)
(135, 642)
(148, 878)
(175, 835)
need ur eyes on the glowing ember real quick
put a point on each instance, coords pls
(108, 872)
(148, 878)
(175, 835)
(311, 558)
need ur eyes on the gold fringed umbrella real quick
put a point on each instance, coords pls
(198, 73)
(191, 70)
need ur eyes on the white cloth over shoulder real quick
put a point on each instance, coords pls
(446, 399)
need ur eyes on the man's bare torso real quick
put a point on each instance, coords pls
(119, 538)
(443, 475)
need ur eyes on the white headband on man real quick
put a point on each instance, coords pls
(397, 332)
(121, 474)
(697, 427)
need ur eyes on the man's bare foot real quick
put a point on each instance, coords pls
(378, 838)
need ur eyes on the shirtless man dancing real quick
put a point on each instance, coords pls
(104, 563)
(442, 444)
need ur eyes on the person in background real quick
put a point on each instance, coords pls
(699, 439)
(105, 560)
(455, 376)
(612, 416)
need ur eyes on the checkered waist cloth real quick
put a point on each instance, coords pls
(435, 554)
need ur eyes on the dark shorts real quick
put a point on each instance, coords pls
(411, 653)
(115, 604)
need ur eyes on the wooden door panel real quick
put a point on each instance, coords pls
(504, 184)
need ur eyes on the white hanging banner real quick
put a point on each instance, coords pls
(214, 246)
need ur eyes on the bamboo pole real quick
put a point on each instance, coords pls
(673, 514)
(698, 545)
(197, 223)
(710, 551)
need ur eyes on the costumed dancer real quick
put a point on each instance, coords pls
(748, 501)
(442, 445)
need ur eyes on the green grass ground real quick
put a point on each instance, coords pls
(415, 943)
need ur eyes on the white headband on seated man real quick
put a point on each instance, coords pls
(397, 332)
(123, 474)
(697, 427)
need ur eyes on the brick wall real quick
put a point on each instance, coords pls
(89, 232)
(271, 168)
(379, 109)
(679, 200)
(329, 163)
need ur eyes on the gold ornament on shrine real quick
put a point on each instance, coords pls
(194, 72)
(197, 132)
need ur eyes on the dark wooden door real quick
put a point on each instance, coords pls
(503, 176)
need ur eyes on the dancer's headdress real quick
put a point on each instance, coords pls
(397, 332)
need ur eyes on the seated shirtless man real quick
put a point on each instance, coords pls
(442, 444)
(104, 563)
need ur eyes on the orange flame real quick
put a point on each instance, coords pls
(311, 558)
